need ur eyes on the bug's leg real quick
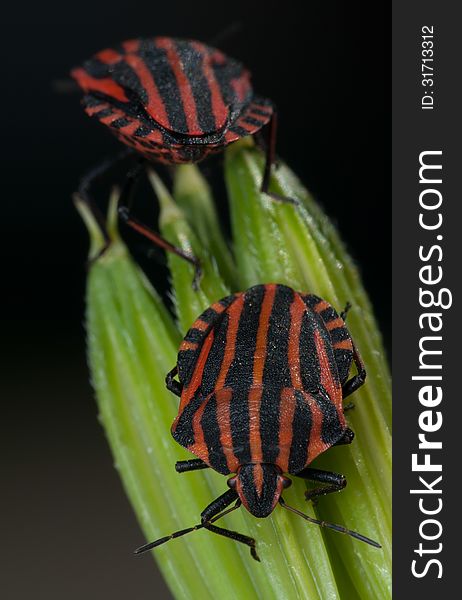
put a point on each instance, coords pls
(148, 233)
(357, 381)
(334, 526)
(347, 437)
(129, 186)
(83, 191)
(177, 534)
(172, 385)
(334, 482)
(207, 518)
(193, 464)
(270, 158)
(348, 406)
(344, 313)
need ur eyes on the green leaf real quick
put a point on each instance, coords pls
(302, 250)
(132, 344)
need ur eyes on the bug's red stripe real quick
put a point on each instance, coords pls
(286, 417)
(258, 478)
(224, 422)
(218, 307)
(262, 334)
(201, 325)
(328, 381)
(247, 126)
(343, 345)
(220, 112)
(231, 136)
(109, 56)
(105, 86)
(155, 105)
(297, 310)
(185, 345)
(335, 323)
(91, 110)
(155, 136)
(199, 447)
(320, 306)
(263, 107)
(315, 444)
(130, 128)
(241, 86)
(234, 312)
(116, 114)
(190, 389)
(255, 393)
(187, 97)
(131, 45)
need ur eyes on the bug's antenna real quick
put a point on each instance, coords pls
(333, 526)
(162, 540)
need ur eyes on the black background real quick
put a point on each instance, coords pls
(69, 529)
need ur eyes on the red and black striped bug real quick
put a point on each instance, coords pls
(262, 376)
(174, 101)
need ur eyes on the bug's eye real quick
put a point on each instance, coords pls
(232, 483)
(286, 482)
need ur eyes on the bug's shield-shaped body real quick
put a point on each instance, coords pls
(262, 374)
(171, 100)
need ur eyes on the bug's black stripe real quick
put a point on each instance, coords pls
(339, 360)
(209, 315)
(239, 130)
(309, 364)
(327, 341)
(241, 370)
(89, 101)
(186, 362)
(328, 314)
(331, 430)
(276, 363)
(184, 433)
(311, 300)
(228, 300)
(301, 429)
(262, 113)
(187, 359)
(224, 74)
(97, 69)
(192, 64)
(269, 483)
(343, 358)
(339, 334)
(106, 112)
(215, 358)
(261, 505)
(142, 131)
(252, 121)
(126, 77)
(211, 431)
(121, 122)
(159, 66)
(194, 335)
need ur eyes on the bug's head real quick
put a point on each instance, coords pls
(259, 487)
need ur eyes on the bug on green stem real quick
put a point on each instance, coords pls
(262, 376)
(173, 101)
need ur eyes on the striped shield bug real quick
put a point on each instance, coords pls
(262, 376)
(173, 101)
